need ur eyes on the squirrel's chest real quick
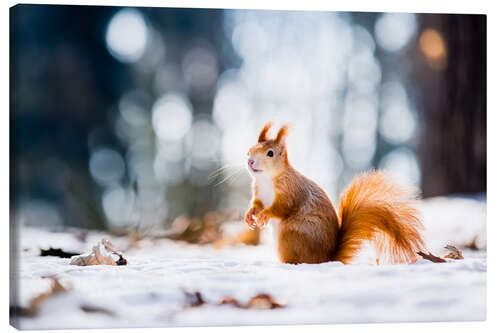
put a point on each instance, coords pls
(265, 191)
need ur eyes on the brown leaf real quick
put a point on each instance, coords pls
(247, 237)
(110, 247)
(200, 231)
(19, 311)
(473, 244)
(260, 301)
(100, 255)
(96, 309)
(431, 257)
(230, 301)
(454, 253)
(193, 299)
(121, 261)
(34, 305)
(263, 301)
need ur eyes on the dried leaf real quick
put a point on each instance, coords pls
(96, 309)
(100, 255)
(454, 253)
(200, 231)
(260, 301)
(110, 247)
(193, 299)
(263, 301)
(19, 311)
(34, 305)
(247, 237)
(230, 301)
(431, 257)
(121, 261)
(473, 244)
(57, 253)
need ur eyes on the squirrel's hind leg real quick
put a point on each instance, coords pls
(295, 247)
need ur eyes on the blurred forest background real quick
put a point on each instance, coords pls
(121, 117)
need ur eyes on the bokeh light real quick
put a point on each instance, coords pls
(433, 47)
(132, 108)
(402, 165)
(106, 166)
(157, 108)
(359, 130)
(127, 35)
(171, 117)
(319, 71)
(200, 68)
(203, 143)
(395, 30)
(231, 106)
(397, 123)
(118, 204)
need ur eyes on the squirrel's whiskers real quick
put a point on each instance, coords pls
(232, 171)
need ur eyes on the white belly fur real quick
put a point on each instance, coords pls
(274, 225)
(265, 190)
(265, 193)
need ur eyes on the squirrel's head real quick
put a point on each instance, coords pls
(269, 156)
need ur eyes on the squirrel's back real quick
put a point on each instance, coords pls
(308, 232)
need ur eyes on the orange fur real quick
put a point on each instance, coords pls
(263, 132)
(372, 209)
(377, 210)
(282, 134)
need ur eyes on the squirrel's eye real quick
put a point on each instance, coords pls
(270, 153)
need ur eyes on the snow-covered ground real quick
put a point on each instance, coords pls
(148, 292)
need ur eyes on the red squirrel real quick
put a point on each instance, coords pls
(372, 208)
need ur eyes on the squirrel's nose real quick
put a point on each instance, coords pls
(250, 162)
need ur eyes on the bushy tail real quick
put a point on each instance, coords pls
(375, 209)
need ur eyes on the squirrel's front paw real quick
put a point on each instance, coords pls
(250, 217)
(262, 219)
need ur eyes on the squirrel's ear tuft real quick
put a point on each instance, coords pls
(282, 134)
(263, 132)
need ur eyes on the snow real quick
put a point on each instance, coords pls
(148, 291)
